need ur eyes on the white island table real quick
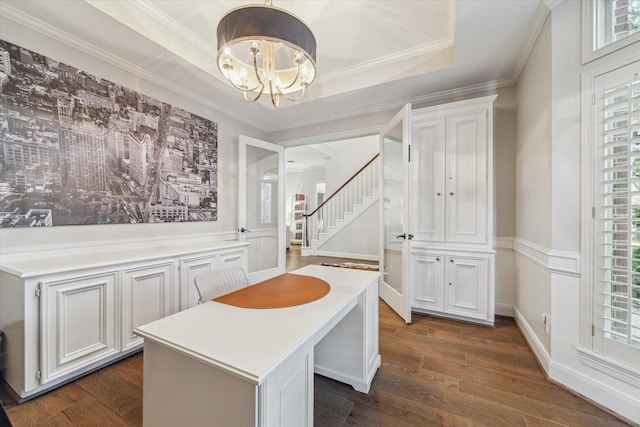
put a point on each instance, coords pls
(221, 365)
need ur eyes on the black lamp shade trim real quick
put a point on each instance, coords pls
(263, 21)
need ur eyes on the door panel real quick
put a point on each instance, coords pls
(466, 178)
(146, 296)
(261, 207)
(467, 280)
(394, 216)
(427, 271)
(427, 179)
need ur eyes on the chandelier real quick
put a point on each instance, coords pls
(264, 49)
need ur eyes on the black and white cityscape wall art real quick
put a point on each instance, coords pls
(78, 149)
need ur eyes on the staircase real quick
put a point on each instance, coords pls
(350, 201)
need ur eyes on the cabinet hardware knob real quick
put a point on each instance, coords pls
(450, 260)
(451, 193)
(438, 194)
(449, 283)
(437, 259)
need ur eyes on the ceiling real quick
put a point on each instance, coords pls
(372, 55)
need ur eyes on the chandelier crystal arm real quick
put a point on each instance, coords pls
(293, 98)
(246, 98)
(275, 96)
(254, 52)
(293, 82)
(246, 88)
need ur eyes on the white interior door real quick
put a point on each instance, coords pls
(261, 208)
(395, 148)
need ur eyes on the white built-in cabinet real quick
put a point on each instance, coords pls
(451, 213)
(192, 266)
(65, 315)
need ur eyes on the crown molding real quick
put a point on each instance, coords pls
(123, 11)
(457, 93)
(146, 6)
(25, 20)
(544, 9)
(383, 61)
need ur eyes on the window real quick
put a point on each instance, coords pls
(609, 25)
(616, 249)
(265, 202)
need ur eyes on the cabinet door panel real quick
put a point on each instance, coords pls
(466, 177)
(189, 269)
(427, 176)
(428, 280)
(233, 259)
(467, 280)
(146, 296)
(286, 396)
(78, 323)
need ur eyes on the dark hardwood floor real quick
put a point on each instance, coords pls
(434, 372)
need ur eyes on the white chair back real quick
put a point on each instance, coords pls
(219, 282)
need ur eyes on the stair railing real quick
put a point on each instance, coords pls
(360, 185)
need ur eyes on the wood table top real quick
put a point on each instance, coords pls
(286, 290)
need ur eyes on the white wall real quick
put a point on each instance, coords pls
(347, 157)
(549, 183)
(12, 240)
(533, 185)
(504, 199)
(357, 240)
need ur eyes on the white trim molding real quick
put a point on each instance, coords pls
(544, 8)
(536, 345)
(609, 367)
(59, 249)
(604, 394)
(560, 262)
(563, 262)
(624, 405)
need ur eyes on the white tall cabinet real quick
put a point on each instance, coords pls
(451, 252)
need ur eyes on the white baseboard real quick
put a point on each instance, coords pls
(540, 352)
(505, 310)
(596, 391)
